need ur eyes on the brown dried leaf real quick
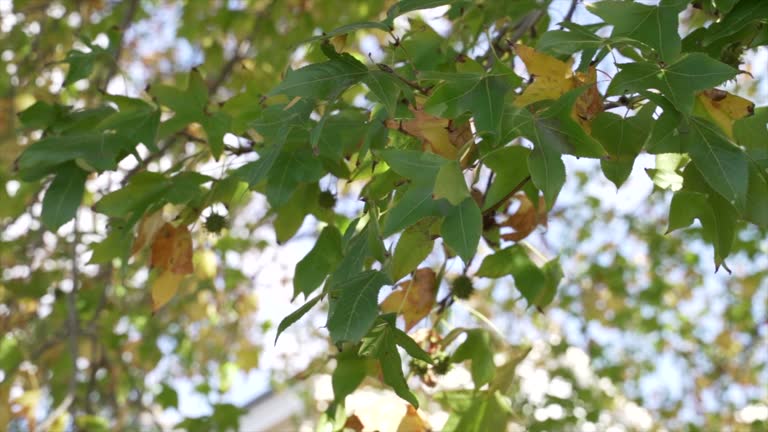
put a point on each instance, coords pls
(415, 298)
(353, 422)
(525, 219)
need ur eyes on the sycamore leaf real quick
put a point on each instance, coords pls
(655, 26)
(450, 184)
(355, 307)
(412, 248)
(724, 108)
(415, 298)
(172, 250)
(63, 196)
(164, 288)
(551, 77)
(678, 81)
(462, 228)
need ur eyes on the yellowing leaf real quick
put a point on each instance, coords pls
(248, 357)
(412, 422)
(553, 78)
(148, 228)
(725, 108)
(172, 250)
(164, 288)
(438, 135)
(415, 298)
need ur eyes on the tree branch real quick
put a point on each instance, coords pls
(130, 14)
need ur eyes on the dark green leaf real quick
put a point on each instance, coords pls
(322, 80)
(356, 305)
(319, 262)
(63, 196)
(296, 315)
(462, 228)
(415, 204)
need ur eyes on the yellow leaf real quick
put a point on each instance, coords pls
(248, 357)
(551, 77)
(725, 108)
(172, 250)
(412, 422)
(415, 298)
(205, 264)
(164, 288)
(148, 228)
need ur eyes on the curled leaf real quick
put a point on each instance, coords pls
(725, 108)
(172, 250)
(525, 219)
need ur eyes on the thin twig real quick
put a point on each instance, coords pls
(130, 13)
(569, 15)
(511, 193)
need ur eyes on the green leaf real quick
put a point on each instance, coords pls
(291, 214)
(450, 184)
(80, 66)
(537, 285)
(319, 262)
(349, 28)
(510, 166)
(414, 165)
(291, 168)
(63, 196)
(724, 164)
(413, 247)
(137, 124)
(145, 189)
(655, 26)
(350, 371)
(623, 139)
(296, 315)
(381, 343)
(565, 43)
(356, 305)
(387, 89)
(547, 172)
(678, 81)
(479, 349)
(10, 355)
(462, 228)
(405, 6)
(415, 204)
(486, 102)
(322, 80)
(96, 150)
(216, 126)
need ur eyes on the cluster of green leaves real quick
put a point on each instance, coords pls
(442, 145)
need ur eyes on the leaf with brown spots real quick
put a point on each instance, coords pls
(725, 108)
